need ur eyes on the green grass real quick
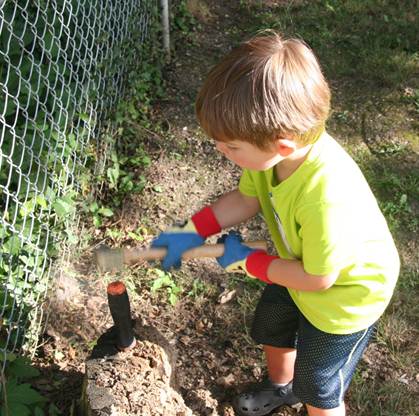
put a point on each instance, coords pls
(390, 395)
(373, 41)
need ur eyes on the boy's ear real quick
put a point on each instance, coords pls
(286, 147)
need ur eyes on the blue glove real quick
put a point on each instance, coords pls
(239, 257)
(235, 253)
(177, 240)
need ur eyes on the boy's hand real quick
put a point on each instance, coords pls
(238, 256)
(177, 240)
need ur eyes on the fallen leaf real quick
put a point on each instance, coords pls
(200, 326)
(226, 296)
(298, 407)
(71, 352)
(257, 372)
(185, 340)
(226, 381)
(403, 379)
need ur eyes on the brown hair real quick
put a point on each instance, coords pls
(266, 88)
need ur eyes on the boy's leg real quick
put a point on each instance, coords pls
(280, 363)
(337, 411)
(324, 367)
(275, 327)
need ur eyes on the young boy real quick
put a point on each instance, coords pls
(265, 105)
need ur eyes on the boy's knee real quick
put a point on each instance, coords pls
(270, 328)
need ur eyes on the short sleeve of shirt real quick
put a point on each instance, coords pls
(246, 184)
(328, 240)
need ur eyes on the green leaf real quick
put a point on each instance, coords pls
(97, 222)
(9, 355)
(53, 410)
(38, 412)
(146, 161)
(85, 117)
(27, 207)
(161, 282)
(3, 232)
(64, 206)
(71, 140)
(114, 157)
(113, 176)
(21, 368)
(173, 299)
(41, 201)
(22, 393)
(71, 237)
(106, 212)
(135, 236)
(12, 245)
(15, 409)
(93, 207)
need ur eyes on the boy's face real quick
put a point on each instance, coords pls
(248, 156)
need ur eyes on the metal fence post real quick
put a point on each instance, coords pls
(165, 27)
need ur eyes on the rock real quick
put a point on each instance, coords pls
(138, 382)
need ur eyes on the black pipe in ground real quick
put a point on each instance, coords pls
(121, 314)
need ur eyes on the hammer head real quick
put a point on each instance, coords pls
(109, 259)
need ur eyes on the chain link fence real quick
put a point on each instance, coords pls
(63, 67)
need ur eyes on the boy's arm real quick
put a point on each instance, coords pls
(230, 209)
(270, 269)
(291, 273)
(234, 208)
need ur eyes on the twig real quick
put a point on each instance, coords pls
(3, 384)
(142, 128)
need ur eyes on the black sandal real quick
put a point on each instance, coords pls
(265, 397)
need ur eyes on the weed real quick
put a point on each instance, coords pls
(115, 234)
(19, 397)
(183, 19)
(394, 184)
(165, 281)
(198, 288)
(398, 210)
(97, 212)
(411, 96)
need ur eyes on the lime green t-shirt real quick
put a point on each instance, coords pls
(325, 215)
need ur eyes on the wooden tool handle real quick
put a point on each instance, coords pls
(132, 256)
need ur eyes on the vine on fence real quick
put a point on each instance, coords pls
(62, 70)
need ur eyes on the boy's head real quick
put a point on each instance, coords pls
(266, 89)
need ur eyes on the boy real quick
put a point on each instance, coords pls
(265, 105)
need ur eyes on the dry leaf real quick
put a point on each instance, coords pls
(226, 381)
(185, 340)
(226, 296)
(403, 379)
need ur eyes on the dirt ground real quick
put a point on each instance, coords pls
(208, 326)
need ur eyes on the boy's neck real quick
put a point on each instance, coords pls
(286, 167)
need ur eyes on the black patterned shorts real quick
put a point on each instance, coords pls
(325, 362)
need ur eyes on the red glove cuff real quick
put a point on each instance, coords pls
(257, 265)
(205, 222)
